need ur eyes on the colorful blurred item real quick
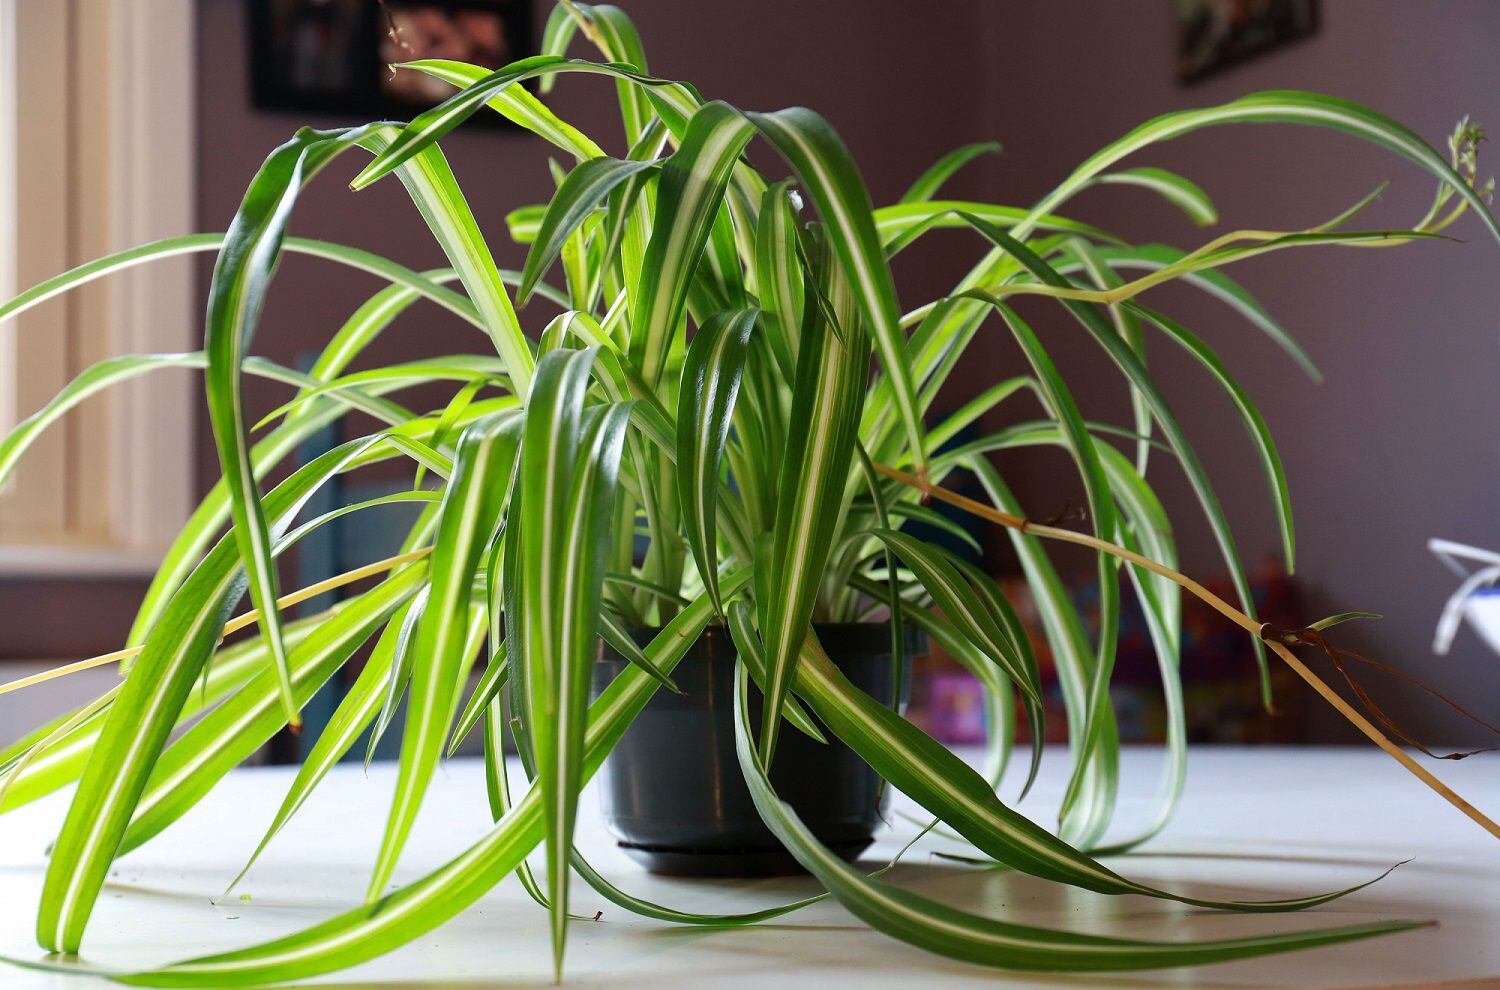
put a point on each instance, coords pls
(1221, 684)
(955, 708)
(1477, 597)
(1214, 34)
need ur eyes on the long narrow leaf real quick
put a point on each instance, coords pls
(1125, 359)
(229, 734)
(580, 194)
(470, 514)
(1255, 424)
(689, 192)
(236, 295)
(513, 103)
(356, 710)
(830, 385)
(705, 406)
(570, 460)
(373, 929)
(1175, 189)
(827, 171)
(1271, 107)
(947, 931)
(136, 728)
(949, 788)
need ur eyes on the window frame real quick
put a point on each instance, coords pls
(102, 132)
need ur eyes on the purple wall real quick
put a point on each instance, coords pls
(1400, 443)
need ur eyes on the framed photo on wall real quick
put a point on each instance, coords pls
(1215, 34)
(334, 56)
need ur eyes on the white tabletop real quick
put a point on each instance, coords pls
(1301, 820)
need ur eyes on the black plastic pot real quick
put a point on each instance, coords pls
(672, 792)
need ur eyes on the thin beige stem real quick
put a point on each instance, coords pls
(1220, 605)
(233, 625)
(50, 739)
(1186, 265)
(66, 669)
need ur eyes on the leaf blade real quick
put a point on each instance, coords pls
(705, 405)
(469, 516)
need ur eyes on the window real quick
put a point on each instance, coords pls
(96, 154)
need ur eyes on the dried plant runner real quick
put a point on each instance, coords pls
(1274, 638)
(233, 625)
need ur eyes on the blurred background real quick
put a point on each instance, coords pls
(125, 122)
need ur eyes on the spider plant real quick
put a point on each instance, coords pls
(715, 357)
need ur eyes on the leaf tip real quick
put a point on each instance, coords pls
(370, 173)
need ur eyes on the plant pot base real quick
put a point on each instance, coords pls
(672, 793)
(729, 863)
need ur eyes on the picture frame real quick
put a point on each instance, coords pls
(1213, 35)
(334, 56)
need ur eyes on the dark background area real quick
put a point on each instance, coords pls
(1398, 444)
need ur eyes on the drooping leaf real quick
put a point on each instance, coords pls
(828, 173)
(705, 406)
(1255, 423)
(355, 711)
(1125, 359)
(138, 723)
(830, 385)
(621, 641)
(436, 194)
(114, 371)
(753, 656)
(569, 466)
(581, 193)
(983, 622)
(514, 103)
(415, 909)
(172, 247)
(689, 193)
(469, 517)
(1270, 107)
(950, 789)
(947, 931)
(491, 683)
(1175, 189)
(229, 734)
(236, 295)
(1154, 257)
(427, 127)
(398, 638)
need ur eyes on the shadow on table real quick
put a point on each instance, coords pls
(793, 944)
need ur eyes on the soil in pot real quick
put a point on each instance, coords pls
(672, 792)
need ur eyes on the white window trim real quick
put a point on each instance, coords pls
(8, 286)
(127, 106)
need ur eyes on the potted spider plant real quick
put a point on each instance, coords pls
(715, 357)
